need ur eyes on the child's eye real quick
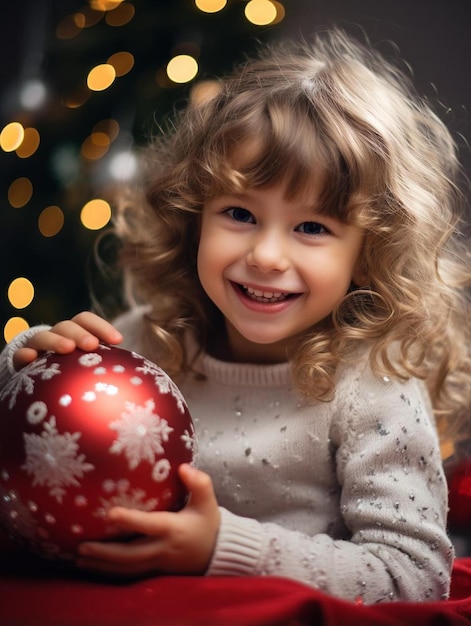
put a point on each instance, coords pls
(240, 215)
(312, 228)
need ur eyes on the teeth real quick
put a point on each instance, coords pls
(265, 296)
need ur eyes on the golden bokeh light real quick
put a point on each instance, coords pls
(80, 20)
(77, 98)
(50, 221)
(88, 16)
(182, 68)
(121, 15)
(68, 28)
(123, 62)
(30, 143)
(260, 12)
(210, 6)
(13, 327)
(100, 139)
(101, 77)
(20, 192)
(280, 11)
(95, 146)
(12, 136)
(108, 126)
(95, 214)
(20, 292)
(105, 5)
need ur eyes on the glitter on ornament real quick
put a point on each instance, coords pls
(122, 494)
(24, 379)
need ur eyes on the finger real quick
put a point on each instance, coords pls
(136, 551)
(23, 356)
(98, 327)
(199, 484)
(82, 337)
(142, 522)
(50, 340)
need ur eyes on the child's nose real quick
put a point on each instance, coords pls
(268, 253)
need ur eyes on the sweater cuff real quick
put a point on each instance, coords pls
(6, 356)
(238, 546)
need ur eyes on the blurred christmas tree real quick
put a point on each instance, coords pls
(90, 85)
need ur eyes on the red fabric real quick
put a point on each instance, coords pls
(35, 593)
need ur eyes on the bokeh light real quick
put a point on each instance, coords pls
(121, 15)
(182, 68)
(77, 98)
(95, 146)
(108, 126)
(210, 6)
(123, 62)
(11, 136)
(68, 28)
(123, 166)
(101, 77)
(20, 292)
(30, 143)
(260, 12)
(20, 192)
(95, 214)
(33, 94)
(280, 11)
(50, 221)
(105, 5)
(13, 327)
(87, 17)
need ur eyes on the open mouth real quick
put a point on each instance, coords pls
(266, 297)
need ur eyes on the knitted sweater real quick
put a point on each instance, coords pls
(348, 496)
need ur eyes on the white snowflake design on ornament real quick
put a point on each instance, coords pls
(36, 412)
(162, 380)
(161, 470)
(90, 359)
(52, 459)
(141, 433)
(24, 379)
(124, 496)
(190, 441)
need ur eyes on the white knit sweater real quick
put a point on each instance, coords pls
(347, 496)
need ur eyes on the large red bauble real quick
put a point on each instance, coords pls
(82, 432)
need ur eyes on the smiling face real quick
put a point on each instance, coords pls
(274, 268)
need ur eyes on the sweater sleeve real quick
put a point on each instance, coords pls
(6, 355)
(393, 503)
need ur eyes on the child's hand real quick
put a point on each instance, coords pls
(83, 331)
(175, 543)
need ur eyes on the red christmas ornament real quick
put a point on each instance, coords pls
(82, 432)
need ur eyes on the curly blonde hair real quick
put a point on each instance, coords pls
(390, 168)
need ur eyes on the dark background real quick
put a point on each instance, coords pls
(433, 36)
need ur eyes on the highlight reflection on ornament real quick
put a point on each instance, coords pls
(83, 432)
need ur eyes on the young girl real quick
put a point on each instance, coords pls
(294, 267)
